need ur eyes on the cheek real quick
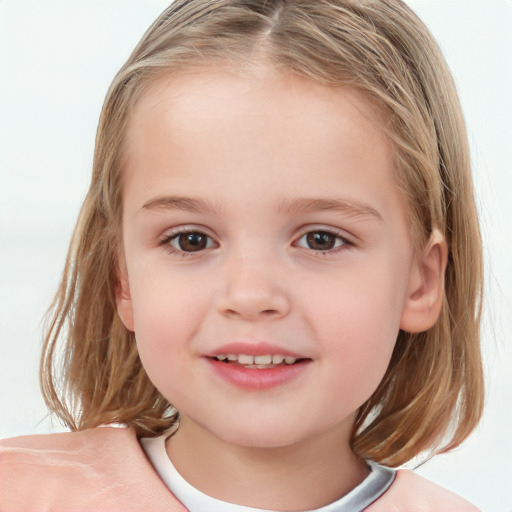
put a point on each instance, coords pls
(162, 301)
(362, 338)
(359, 352)
(165, 322)
(358, 323)
(361, 303)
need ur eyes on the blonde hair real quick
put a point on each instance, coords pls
(431, 397)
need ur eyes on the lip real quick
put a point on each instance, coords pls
(257, 379)
(253, 349)
(252, 378)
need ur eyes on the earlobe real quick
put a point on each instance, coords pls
(123, 297)
(426, 286)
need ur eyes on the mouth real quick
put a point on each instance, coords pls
(258, 362)
(257, 366)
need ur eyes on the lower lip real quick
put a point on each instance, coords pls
(253, 379)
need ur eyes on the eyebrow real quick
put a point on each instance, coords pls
(349, 207)
(162, 203)
(299, 205)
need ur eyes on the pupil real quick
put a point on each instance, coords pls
(191, 242)
(321, 240)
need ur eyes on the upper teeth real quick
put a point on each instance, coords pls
(266, 359)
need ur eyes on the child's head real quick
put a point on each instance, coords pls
(372, 59)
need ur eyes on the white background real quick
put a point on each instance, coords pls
(57, 59)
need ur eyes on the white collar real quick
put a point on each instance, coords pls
(367, 492)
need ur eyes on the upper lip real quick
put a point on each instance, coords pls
(253, 349)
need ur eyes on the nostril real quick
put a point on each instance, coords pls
(265, 313)
(253, 303)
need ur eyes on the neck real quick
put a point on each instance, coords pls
(302, 476)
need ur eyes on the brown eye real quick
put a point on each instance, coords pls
(190, 242)
(321, 241)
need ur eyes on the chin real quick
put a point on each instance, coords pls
(264, 434)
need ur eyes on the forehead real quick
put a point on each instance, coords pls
(254, 129)
(192, 89)
(255, 91)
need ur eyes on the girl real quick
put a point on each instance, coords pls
(274, 283)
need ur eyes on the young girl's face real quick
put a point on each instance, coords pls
(262, 221)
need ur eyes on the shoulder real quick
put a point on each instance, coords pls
(410, 491)
(66, 441)
(70, 452)
(102, 467)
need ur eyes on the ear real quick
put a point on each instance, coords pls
(123, 297)
(426, 286)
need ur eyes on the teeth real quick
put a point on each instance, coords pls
(257, 361)
(263, 359)
(243, 359)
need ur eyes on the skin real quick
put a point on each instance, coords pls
(271, 158)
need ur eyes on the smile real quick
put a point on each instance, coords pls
(259, 362)
(257, 372)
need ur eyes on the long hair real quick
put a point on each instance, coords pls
(431, 397)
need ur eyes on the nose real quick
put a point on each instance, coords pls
(253, 290)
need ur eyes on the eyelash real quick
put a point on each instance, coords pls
(166, 242)
(343, 246)
(168, 239)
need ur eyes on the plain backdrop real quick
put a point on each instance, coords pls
(57, 59)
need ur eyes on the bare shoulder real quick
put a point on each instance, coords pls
(410, 491)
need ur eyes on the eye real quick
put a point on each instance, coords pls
(321, 241)
(189, 241)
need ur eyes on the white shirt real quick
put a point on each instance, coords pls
(367, 492)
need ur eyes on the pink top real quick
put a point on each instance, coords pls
(105, 469)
